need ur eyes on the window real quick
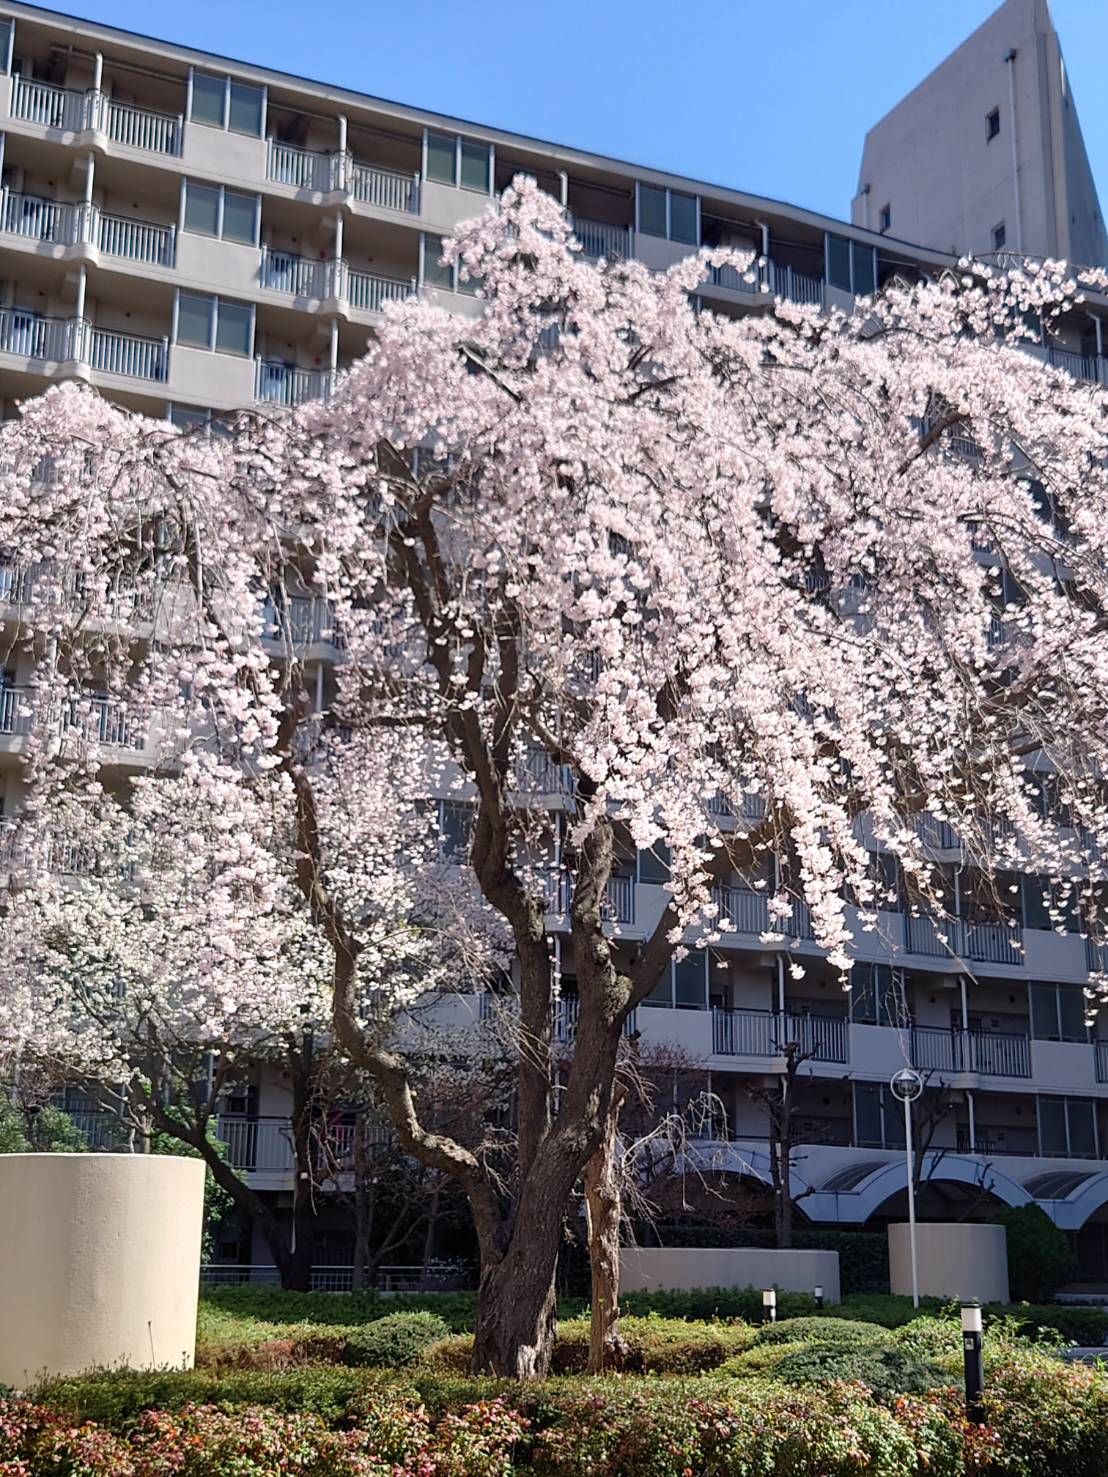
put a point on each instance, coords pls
(684, 985)
(446, 275)
(223, 103)
(198, 418)
(455, 827)
(878, 1118)
(463, 162)
(1049, 904)
(992, 124)
(7, 39)
(654, 864)
(877, 996)
(1067, 1125)
(851, 266)
(999, 236)
(885, 218)
(212, 210)
(669, 214)
(1058, 1012)
(208, 322)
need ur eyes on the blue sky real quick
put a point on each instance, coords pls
(768, 97)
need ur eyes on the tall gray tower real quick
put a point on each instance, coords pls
(986, 154)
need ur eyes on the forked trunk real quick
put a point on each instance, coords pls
(604, 1208)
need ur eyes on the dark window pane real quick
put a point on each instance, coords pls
(240, 213)
(456, 824)
(893, 1112)
(435, 272)
(5, 43)
(245, 114)
(652, 210)
(201, 209)
(867, 1116)
(441, 158)
(475, 166)
(1044, 1013)
(232, 333)
(194, 320)
(208, 95)
(1082, 1128)
(472, 285)
(838, 262)
(865, 281)
(1071, 1012)
(185, 418)
(1052, 1125)
(690, 982)
(682, 218)
(662, 993)
(654, 864)
(863, 994)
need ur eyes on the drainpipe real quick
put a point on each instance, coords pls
(781, 984)
(1098, 329)
(972, 1121)
(764, 228)
(1010, 59)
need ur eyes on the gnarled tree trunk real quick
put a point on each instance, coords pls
(603, 1208)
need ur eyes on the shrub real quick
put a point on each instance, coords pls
(886, 1369)
(823, 1331)
(478, 1442)
(1039, 1256)
(762, 1359)
(394, 1341)
(1048, 1417)
(274, 1305)
(1075, 1323)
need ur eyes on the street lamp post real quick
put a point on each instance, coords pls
(907, 1084)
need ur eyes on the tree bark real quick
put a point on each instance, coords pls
(604, 1209)
(361, 1204)
(517, 1300)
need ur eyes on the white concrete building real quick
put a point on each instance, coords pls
(986, 154)
(192, 234)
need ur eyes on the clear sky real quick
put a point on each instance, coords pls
(770, 96)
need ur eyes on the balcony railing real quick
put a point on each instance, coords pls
(988, 1053)
(781, 281)
(301, 620)
(125, 354)
(33, 337)
(748, 912)
(302, 276)
(287, 384)
(65, 223)
(994, 943)
(822, 1038)
(619, 902)
(264, 1145)
(15, 717)
(565, 1014)
(72, 112)
(369, 184)
(102, 721)
(369, 291)
(614, 243)
(1081, 366)
(387, 189)
(989, 943)
(540, 775)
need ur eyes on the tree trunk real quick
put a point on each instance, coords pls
(604, 1210)
(429, 1237)
(517, 1310)
(361, 1204)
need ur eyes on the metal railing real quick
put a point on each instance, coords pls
(136, 241)
(140, 128)
(540, 775)
(822, 1038)
(101, 721)
(387, 189)
(988, 1053)
(13, 720)
(735, 280)
(126, 354)
(994, 943)
(36, 218)
(304, 169)
(301, 620)
(798, 287)
(619, 901)
(1081, 366)
(302, 276)
(614, 243)
(747, 911)
(33, 337)
(336, 1278)
(63, 108)
(368, 291)
(564, 1016)
(264, 1145)
(287, 384)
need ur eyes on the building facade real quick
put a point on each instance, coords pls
(192, 235)
(986, 154)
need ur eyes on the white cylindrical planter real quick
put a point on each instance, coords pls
(99, 1262)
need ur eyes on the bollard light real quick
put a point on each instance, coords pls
(819, 1298)
(769, 1305)
(973, 1355)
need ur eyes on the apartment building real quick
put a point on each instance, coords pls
(192, 235)
(986, 154)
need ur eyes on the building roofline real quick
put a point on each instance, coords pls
(558, 153)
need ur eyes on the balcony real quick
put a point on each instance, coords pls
(300, 276)
(368, 292)
(822, 1038)
(277, 383)
(619, 903)
(323, 173)
(64, 223)
(565, 1015)
(613, 243)
(987, 1053)
(781, 281)
(58, 340)
(15, 714)
(747, 912)
(301, 620)
(74, 112)
(988, 943)
(94, 718)
(264, 1145)
(1080, 366)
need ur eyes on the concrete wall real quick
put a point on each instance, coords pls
(649, 1268)
(99, 1262)
(954, 1261)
